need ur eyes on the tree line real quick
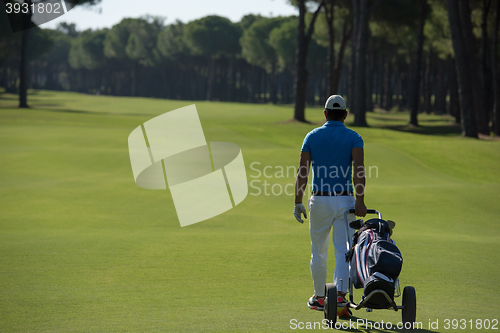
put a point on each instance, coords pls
(424, 56)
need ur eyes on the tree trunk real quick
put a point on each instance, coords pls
(387, 104)
(265, 84)
(380, 81)
(337, 70)
(358, 106)
(303, 39)
(334, 64)
(310, 85)
(454, 108)
(300, 65)
(465, 18)
(465, 77)
(133, 89)
(429, 82)
(330, 59)
(496, 74)
(415, 93)
(253, 84)
(466, 24)
(441, 84)
(289, 88)
(403, 75)
(484, 70)
(23, 70)
(231, 91)
(408, 86)
(369, 84)
(211, 75)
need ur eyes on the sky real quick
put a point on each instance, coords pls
(111, 12)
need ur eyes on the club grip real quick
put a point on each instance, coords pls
(368, 211)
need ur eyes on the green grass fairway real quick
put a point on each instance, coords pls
(83, 249)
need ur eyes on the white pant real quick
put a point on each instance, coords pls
(327, 212)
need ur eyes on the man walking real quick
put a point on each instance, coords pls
(332, 149)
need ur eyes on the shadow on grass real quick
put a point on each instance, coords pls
(356, 324)
(8, 97)
(440, 125)
(392, 117)
(47, 108)
(441, 130)
(306, 122)
(100, 113)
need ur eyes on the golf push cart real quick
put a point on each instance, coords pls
(374, 265)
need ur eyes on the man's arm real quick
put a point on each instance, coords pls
(302, 173)
(358, 176)
(300, 185)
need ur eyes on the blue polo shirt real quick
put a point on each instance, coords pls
(330, 146)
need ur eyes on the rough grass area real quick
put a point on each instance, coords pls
(83, 249)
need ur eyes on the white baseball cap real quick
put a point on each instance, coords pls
(335, 102)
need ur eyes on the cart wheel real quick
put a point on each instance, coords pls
(409, 306)
(331, 304)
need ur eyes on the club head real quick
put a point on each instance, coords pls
(356, 224)
(391, 223)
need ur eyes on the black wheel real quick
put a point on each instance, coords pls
(409, 307)
(331, 304)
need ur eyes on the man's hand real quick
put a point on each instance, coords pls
(300, 209)
(360, 208)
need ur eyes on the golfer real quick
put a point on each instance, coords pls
(332, 149)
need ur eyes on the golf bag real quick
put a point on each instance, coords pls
(375, 260)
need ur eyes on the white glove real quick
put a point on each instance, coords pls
(298, 210)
